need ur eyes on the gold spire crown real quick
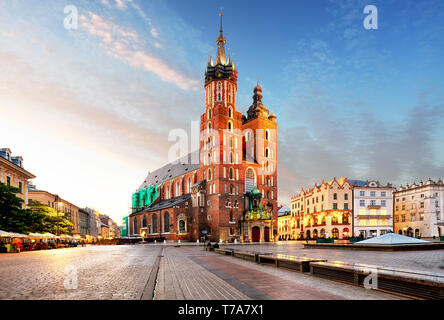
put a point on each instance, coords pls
(220, 57)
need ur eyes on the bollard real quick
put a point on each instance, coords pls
(164, 241)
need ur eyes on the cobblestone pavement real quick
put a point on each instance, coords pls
(191, 273)
(427, 260)
(103, 272)
(179, 278)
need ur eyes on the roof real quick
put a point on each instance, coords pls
(174, 169)
(357, 183)
(391, 239)
(165, 204)
(284, 211)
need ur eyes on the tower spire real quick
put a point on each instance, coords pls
(220, 57)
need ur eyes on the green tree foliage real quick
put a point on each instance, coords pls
(49, 219)
(12, 217)
(38, 218)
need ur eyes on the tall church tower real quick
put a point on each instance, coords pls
(221, 144)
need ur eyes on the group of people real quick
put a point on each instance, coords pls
(17, 245)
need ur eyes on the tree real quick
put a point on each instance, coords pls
(12, 217)
(49, 219)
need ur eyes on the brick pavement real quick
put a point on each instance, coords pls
(187, 268)
(103, 272)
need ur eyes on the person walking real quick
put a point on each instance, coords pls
(18, 245)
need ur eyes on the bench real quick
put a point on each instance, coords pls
(301, 264)
(419, 284)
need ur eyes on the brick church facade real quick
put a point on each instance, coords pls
(227, 190)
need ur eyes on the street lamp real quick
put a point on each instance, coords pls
(57, 204)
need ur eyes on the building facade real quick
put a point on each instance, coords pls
(54, 201)
(228, 189)
(12, 173)
(324, 211)
(84, 221)
(285, 224)
(372, 209)
(419, 209)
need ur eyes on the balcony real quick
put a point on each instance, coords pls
(373, 216)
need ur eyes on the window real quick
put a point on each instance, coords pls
(403, 218)
(230, 126)
(372, 194)
(362, 203)
(144, 222)
(373, 202)
(383, 194)
(345, 206)
(362, 193)
(346, 196)
(155, 223)
(8, 181)
(335, 196)
(267, 134)
(182, 226)
(21, 187)
(422, 205)
(383, 204)
(335, 206)
(166, 222)
(231, 174)
(230, 113)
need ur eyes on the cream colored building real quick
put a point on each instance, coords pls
(372, 209)
(12, 173)
(324, 211)
(70, 210)
(419, 209)
(285, 224)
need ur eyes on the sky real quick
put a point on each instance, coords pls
(90, 109)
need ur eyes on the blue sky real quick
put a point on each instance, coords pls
(90, 109)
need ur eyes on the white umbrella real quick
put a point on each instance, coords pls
(4, 234)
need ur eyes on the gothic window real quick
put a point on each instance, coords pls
(231, 157)
(189, 185)
(231, 216)
(135, 231)
(219, 92)
(144, 222)
(230, 126)
(155, 224)
(231, 189)
(177, 189)
(231, 174)
(166, 222)
(267, 134)
(209, 174)
(230, 112)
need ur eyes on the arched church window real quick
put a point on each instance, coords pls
(155, 224)
(209, 174)
(231, 174)
(144, 222)
(230, 112)
(166, 222)
(230, 126)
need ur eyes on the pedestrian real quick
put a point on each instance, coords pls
(18, 245)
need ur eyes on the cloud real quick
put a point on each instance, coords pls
(124, 44)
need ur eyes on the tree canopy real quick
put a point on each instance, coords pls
(38, 218)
